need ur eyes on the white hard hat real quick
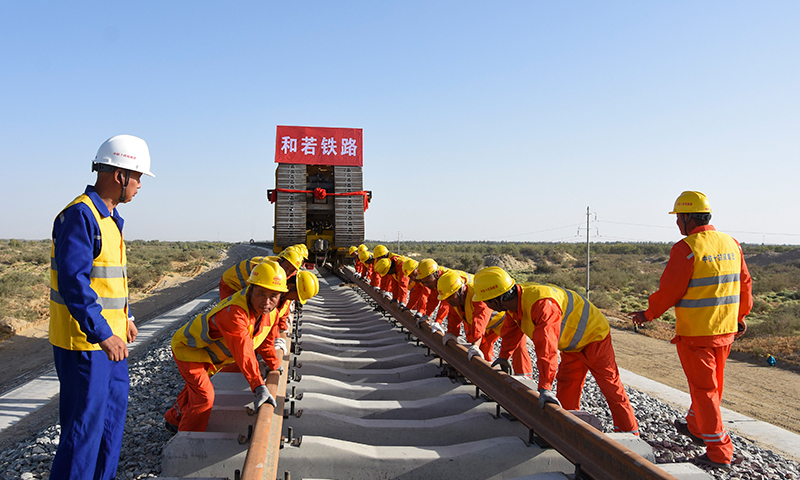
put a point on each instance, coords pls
(124, 151)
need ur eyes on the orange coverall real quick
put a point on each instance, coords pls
(193, 406)
(597, 357)
(703, 358)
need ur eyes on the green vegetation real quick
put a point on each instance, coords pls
(25, 273)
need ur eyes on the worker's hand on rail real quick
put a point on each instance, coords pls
(437, 328)
(447, 336)
(473, 351)
(742, 328)
(504, 365)
(263, 396)
(638, 318)
(281, 343)
(547, 396)
(421, 319)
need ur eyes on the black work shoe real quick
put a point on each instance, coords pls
(683, 428)
(170, 427)
(704, 460)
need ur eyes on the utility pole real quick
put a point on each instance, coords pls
(587, 253)
(398, 243)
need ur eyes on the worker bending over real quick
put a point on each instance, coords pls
(707, 281)
(235, 278)
(428, 274)
(301, 287)
(558, 319)
(395, 281)
(482, 326)
(229, 333)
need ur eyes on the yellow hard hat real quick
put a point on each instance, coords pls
(382, 266)
(691, 202)
(448, 284)
(302, 249)
(270, 275)
(426, 268)
(353, 249)
(363, 247)
(364, 255)
(307, 285)
(292, 256)
(380, 251)
(409, 266)
(491, 282)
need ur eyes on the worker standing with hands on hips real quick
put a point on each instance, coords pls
(229, 333)
(558, 319)
(707, 281)
(90, 319)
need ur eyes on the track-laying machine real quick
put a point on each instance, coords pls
(319, 199)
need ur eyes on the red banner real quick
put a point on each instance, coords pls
(319, 146)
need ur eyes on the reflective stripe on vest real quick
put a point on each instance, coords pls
(193, 342)
(710, 305)
(107, 278)
(581, 323)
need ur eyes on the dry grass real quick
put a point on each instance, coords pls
(25, 274)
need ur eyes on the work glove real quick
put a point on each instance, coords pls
(386, 295)
(547, 396)
(437, 328)
(504, 365)
(279, 370)
(263, 396)
(281, 343)
(447, 336)
(473, 351)
(421, 319)
(742, 327)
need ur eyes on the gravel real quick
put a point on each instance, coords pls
(155, 383)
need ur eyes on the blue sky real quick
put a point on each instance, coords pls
(482, 121)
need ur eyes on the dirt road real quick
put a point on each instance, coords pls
(765, 393)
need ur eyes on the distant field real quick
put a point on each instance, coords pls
(25, 274)
(623, 275)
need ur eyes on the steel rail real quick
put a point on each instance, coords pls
(265, 442)
(594, 454)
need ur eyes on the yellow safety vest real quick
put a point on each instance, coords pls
(193, 342)
(581, 322)
(236, 276)
(108, 279)
(495, 322)
(710, 305)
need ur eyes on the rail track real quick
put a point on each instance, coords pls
(368, 394)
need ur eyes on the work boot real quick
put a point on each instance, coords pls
(704, 460)
(683, 428)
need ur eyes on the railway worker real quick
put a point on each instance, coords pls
(538, 310)
(369, 263)
(481, 325)
(229, 333)
(361, 268)
(416, 291)
(707, 281)
(428, 274)
(234, 278)
(302, 249)
(90, 320)
(302, 287)
(394, 280)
